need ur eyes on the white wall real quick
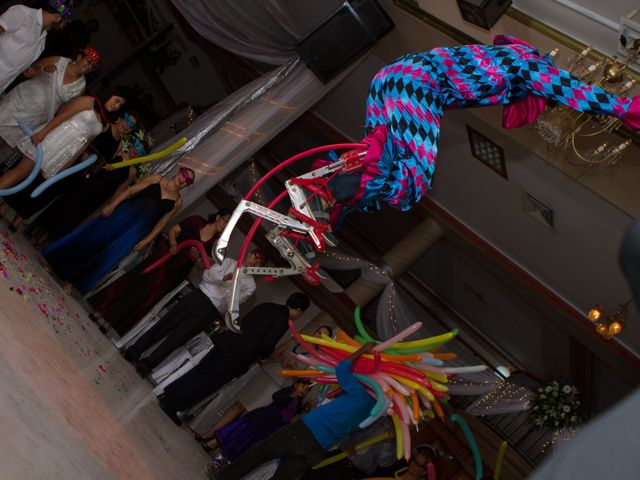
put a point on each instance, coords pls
(578, 261)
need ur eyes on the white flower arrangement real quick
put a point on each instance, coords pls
(555, 406)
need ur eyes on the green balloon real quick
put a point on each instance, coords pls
(361, 330)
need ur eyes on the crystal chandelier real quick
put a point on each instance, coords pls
(571, 131)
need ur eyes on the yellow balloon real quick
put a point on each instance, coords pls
(399, 438)
(360, 446)
(425, 391)
(436, 376)
(405, 381)
(499, 459)
(439, 387)
(428, 341)
(153, 156)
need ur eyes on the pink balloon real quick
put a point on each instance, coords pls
(397, 338)
(396, 385)
(181, 246)
(431, 471)
(407, 440)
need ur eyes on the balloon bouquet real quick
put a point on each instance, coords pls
(407, 378)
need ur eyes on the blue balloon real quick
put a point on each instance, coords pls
(63, 174)
(36, 167)
(456, 418)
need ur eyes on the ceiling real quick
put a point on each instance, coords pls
(593, 22)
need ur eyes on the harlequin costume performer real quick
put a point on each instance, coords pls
(408, 98)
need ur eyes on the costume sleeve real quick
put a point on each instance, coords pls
(347, 380)
(543, 79)
(13, 18)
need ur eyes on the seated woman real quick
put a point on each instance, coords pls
(52, 82)
(133, 219)
(124, 302)
(65, 137)
(236, 437)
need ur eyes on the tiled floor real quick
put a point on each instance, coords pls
(70, 406)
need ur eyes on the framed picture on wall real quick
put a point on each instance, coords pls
(485, 150)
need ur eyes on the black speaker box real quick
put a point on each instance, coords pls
(340, 39)
(483, 13)
(374, 17)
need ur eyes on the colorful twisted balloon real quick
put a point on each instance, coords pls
(63, 174)
(149, 158)
(407, 381)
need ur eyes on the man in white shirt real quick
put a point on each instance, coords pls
(194, 313)
(23, 32)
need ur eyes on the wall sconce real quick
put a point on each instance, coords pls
(609, 325)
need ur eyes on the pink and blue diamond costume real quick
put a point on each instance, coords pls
(408, 98)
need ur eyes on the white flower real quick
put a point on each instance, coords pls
(562, 415)
(574, 419)
(566, 389)
(535, 408)
(545, 417)
(542, 395)
(566, 408)
(555, 394)
(548, 389)
(557, 423)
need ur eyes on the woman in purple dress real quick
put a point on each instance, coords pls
(124, 302)
(236, 437)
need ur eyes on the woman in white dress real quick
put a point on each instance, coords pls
(52, 82)
(65, 137)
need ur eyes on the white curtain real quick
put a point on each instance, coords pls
(392, 315)
(233, 130)
(259, 30)
(505, 397)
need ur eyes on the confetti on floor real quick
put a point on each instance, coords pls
(23, 273)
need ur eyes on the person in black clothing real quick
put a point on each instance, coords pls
(233, 354)
(75, 36)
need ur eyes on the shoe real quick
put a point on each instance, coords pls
(172, 414)
(143, 369)
(93, 317)
(205, 447)
(300, 202)
(103, 329)
(130, 354)
(211, 471)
